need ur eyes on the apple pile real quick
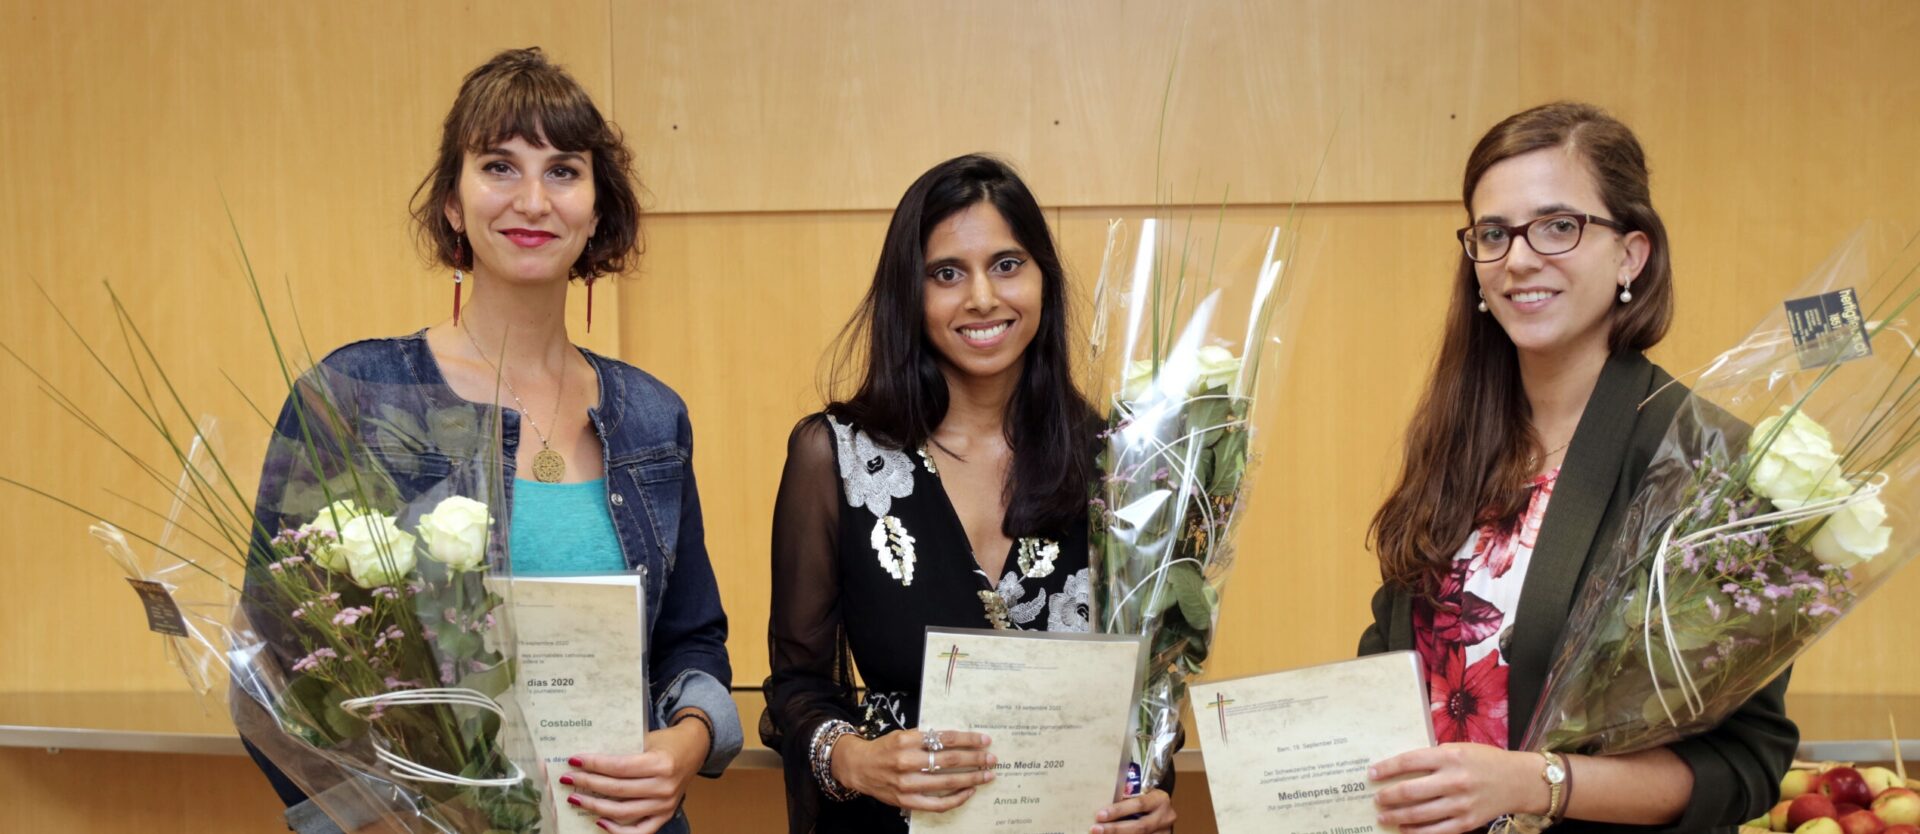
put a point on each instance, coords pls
(1843, 800)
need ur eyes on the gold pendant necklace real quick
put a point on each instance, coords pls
(549, 466)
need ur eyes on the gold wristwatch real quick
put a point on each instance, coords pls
(1555, 775)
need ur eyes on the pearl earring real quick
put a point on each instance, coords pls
(1483, 302)
(1626, 294)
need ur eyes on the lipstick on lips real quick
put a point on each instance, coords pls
(528, 238)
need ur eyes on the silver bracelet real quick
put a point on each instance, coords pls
(824, 738)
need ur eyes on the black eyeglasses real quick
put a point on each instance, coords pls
(1549, 235)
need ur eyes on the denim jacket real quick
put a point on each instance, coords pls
(648, 457)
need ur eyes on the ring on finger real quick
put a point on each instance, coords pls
(930, 741)
(932, 765)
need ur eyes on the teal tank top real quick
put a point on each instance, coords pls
(562, 529)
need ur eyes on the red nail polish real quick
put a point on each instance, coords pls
(575, 761)
(566, 780)
(603, 825)
(573, 800)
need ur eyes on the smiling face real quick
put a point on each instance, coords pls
(981, 292)
(527, 211)
(1553, 305)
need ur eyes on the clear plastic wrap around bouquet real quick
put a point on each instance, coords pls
(373, 651)
(1188, 335)
(345, 618)
(1782, 496)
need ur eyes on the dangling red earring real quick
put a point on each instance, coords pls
(459, 259)
(589, 304)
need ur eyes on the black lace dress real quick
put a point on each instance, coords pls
(867, 553)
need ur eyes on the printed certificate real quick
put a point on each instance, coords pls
(1056, 707)
(583, 674)
(1287, 753)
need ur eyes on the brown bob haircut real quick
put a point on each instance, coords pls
(1471, 448)
(518, 94)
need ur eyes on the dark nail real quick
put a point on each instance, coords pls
(573, 800)
(575, 761)
(603, 825)
(566, 780)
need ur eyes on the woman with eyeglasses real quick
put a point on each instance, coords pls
(1539, 420)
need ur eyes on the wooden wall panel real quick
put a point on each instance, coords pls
(129, 126)
(750, 105)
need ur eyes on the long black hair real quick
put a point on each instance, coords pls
(902, 397)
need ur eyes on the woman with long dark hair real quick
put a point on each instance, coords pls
(1539, 421)
(949, 490)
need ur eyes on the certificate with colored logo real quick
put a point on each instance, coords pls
(1287, 753)
(1055, 706)
(583, 675)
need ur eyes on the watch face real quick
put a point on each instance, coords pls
(1555, 774)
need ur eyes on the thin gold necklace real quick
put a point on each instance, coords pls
(1550, 453)
(549, 467)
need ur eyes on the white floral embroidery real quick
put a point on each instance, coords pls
(873, 475)
(1067, 610)
(894, 545)
(884, 712)
(1036, 557)
(1018, 612)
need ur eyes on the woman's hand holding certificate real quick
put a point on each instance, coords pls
(918, 771)
(1056, 706)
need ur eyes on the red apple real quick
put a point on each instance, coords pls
(1795, 783)
(1861, 822)
(1809, 806)
(1844, 784)
(1898, 806)
(1777, 818)
(1901, 829)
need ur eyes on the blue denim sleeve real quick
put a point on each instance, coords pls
(689, 657)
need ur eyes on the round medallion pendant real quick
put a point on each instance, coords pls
(549, 467)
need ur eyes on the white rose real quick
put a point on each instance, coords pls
(329, 520)
(1851, 535)
(1218, 368)
(456, 533)
(1800, 462)
(377, 551)
(1139, 376)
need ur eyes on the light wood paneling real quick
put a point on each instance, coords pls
(749, 105)
(128, 126)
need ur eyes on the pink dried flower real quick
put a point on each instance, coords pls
(350, 616)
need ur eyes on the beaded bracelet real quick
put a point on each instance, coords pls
(824, 738)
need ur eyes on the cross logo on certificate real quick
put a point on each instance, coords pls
(952, 657)
(1219, 705)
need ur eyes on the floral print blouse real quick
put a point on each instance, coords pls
(1462, 633)
(867, 553)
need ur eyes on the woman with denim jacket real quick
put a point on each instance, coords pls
(533, 188)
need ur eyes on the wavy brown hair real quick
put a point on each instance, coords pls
(519, 94)
(1471, 445)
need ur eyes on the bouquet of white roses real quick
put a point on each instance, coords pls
(348, 606)
(1190, 335)
(1744, 546)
